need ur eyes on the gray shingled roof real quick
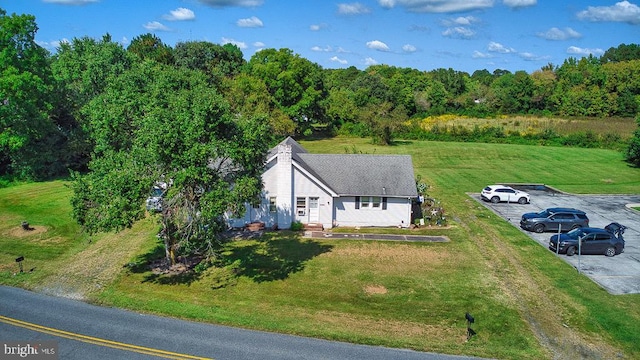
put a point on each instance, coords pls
(359, 174)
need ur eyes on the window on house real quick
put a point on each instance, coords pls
(255, 203)
(371, 202)
(272, 204)
(301, 206)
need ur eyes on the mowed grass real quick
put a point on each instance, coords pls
(527, 303)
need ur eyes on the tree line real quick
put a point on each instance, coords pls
(59, 110)
(198, 119)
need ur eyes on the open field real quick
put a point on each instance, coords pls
(528, 304)
(623, 127)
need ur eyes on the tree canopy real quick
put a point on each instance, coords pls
(158, 124)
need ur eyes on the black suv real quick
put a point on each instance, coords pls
(553, 218)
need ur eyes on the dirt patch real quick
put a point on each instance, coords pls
(19, 232)
(375, 290)
(164, 267)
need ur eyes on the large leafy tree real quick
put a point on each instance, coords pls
(83, 68)
(217, 61)
(295, 83)
(149, 46)
(27, 136)
(155, 123)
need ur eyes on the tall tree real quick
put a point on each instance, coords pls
(215, 60)
(83, 68)
(295, 83)
(149, 46)
(383, 119)
(27, 136)
(155, 123)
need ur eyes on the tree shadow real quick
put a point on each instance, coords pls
(272, 256)
(275, 256)
(157, 269)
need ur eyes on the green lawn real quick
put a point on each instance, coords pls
(527, 303)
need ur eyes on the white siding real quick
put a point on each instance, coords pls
(398, 213)
(305, 187)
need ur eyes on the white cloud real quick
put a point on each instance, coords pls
(623, 11)
(499, 48)
(439, 6)
(387, 4)
(258, 44)
(465, 20)
(314, 27)
(71, 2)
(377, 45)
(459, 32)
(239, 44)
(558, 34)
(527, 56)
(231, 3)
(409, 48)
(338, 60)
(156, 26)
(352, 9)
(421, 28)
(519, 3)
(480, 55)
(180, 14)
(584, 51)
(320, 49)
(124, 41)
(251, 22)
(370, 61)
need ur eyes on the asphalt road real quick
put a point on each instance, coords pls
(619, 274)
(85, 332)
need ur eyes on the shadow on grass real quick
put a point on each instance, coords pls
(272, 256)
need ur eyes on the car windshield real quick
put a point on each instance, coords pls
(544, 213)
(157, 192)
(575, 233)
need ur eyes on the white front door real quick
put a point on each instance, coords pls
(314, 209)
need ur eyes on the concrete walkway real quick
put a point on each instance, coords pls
(384, 237)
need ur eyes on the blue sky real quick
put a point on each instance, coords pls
(465, 35)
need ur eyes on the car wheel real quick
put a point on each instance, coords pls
(571, 251)
(611, 251)
(538, 228)
(495, 199)
(522, 200)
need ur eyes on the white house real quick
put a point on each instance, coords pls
(332, 189)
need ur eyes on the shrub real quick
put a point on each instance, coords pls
(297, 226)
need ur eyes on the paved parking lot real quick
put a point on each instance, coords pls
(619, 274)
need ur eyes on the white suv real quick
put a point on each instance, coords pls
(498, 193)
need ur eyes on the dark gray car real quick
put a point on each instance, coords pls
(553, 218)
(607, 241)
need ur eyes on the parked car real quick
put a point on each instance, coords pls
(502, 193)
(154, 201)
(607, 241)
(553, 218)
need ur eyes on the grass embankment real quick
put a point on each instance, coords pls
(527, 303)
